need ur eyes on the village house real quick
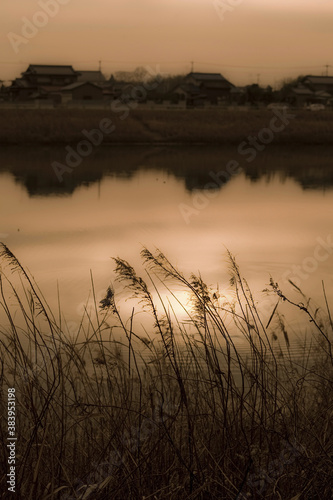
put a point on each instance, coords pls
(95, 77)
(300, 96)
(200, 88)
(318, 83)
(52, 76)
(81, 91)
(57, 83)
(21, 90)
(40, 80)
(303, 95)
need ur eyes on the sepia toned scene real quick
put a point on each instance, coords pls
(166, 250)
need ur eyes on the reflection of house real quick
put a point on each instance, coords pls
(198, 88)
(81, 91)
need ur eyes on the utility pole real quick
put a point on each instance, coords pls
(326, 66)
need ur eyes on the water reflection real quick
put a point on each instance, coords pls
(270, 215)
(311, 167)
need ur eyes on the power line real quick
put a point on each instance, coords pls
(14, 63)
(257, 67)
(185, 63)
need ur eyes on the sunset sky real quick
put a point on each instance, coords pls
(247, 41)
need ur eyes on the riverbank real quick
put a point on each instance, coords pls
(126, 126)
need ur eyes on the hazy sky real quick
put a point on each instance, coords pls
(245, 40)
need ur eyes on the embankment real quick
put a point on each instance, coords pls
(208, 126)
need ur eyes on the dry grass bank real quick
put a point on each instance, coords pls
(160, 126)
(198, 420)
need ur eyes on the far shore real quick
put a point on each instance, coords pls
(158, 127)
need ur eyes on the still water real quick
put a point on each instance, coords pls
(275, 215)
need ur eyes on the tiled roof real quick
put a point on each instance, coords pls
(321, 80)
(211, 80)
(207, 76)
(223, 84)
(41, 69)
(301, 91)
(91, 76)
(77, 85)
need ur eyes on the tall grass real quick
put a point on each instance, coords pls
(180, 413)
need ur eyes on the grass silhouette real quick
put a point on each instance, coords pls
(182, 413)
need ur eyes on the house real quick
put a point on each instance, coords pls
(323, 97)
(191, 94)
(42, 79)
(81, 91)
(21, 90)
(55, 76)
(318, 83)
(198, 88)
(95, 77)
(301, 96)
(3, 92)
